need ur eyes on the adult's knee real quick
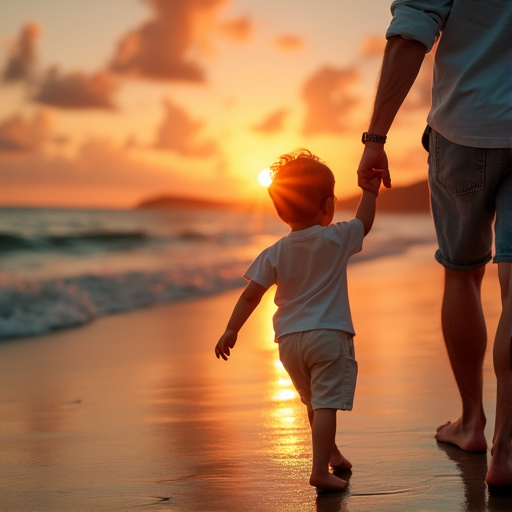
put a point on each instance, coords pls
(465, 276)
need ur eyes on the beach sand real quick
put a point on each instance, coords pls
(133, 412)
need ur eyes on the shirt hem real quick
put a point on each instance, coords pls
(346, 329)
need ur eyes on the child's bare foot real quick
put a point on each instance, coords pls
(327, 482)
(499, 475)
(453, 433)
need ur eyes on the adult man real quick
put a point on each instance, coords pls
(470, 177)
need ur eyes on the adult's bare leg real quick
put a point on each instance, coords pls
(500, 468)
(465, 337)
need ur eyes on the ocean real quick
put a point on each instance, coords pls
(62, 268)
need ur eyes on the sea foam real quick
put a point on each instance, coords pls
(29, 308)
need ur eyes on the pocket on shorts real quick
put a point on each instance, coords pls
(350, 362)
(458, 169)
(349, 384)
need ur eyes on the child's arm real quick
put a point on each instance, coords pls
(246, 304)
(366, 209)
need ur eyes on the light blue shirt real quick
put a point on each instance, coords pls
(472, 86)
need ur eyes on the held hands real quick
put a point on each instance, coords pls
(373, 168)
(373, 182)
(226, 342)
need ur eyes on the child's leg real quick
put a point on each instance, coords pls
(336, 461)
(323, 432)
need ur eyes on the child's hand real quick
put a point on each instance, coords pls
(374, 181)
(226, 342)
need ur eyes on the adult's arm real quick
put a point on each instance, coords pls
(400, 67)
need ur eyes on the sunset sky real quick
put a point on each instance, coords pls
(104, 104)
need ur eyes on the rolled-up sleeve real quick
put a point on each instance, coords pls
(421, 20)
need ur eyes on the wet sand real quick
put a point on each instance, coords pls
(133, 412)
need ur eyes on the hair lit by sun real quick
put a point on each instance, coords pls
(265, 177)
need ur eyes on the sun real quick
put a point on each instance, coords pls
(265, 178)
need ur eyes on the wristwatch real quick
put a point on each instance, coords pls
(371, 137)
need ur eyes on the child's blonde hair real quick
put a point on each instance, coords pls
(301, 184)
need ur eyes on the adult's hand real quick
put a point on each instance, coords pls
(374, 159)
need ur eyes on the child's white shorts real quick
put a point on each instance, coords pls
(322, 366)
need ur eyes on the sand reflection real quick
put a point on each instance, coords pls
(473, 468)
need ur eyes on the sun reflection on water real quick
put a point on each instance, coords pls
(287, 420)
(283, 385)
(286, 394)
(286, 433)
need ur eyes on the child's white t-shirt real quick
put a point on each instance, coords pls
(309, 268)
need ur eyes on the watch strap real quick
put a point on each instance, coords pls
(371, 137)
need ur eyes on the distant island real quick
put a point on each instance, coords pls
(410, 198)
(184, 203)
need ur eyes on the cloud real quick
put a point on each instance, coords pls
(289, 43)
(177, 132)
(328, 100)
(272, 123)
(163, 48)
(100, 174)
(73, 91)
(19, 135)
(373, 46)
(22, 59)
(238, 30)
(76, 90)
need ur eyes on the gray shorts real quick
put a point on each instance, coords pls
(470, 188)
(322, 367)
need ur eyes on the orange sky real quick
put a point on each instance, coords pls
(108, 103)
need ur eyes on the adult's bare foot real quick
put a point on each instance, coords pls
(499, 475)
(471, 440)
(338, 462)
